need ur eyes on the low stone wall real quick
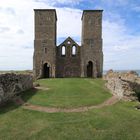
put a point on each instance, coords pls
(12, 84)
(124, 85)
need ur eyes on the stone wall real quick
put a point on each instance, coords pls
(45, 42)
(12, 84)
(125, 85)
(47, 61)
(68, 65)
(91, 49)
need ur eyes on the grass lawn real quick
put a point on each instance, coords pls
(120, 121)
(69, 92)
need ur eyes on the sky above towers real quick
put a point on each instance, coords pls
(121, 30)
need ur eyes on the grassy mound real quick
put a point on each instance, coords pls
(69, 92)
(117, 122)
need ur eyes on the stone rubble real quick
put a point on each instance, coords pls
(126, 85)
(13, 84)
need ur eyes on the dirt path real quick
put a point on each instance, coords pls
(42, 88)
(108, 102)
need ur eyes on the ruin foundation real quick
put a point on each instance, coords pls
(12, 84)
(124, 85)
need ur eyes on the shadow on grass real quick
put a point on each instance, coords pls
(10, 105)
(28, 94)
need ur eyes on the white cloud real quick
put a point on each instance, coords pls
(69, 22)
(17, 30)
(120, 47)
(117, 2)
(17, 34)
(136, 8)
(56, 2)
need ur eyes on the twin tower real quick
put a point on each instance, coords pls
(67, 59)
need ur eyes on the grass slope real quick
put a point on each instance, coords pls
(117, 122)
(69, 92)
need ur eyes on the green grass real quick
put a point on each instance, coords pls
(69, 92)
(117, 122)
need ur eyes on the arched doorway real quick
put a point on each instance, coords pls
(46, 71)
(90, 69)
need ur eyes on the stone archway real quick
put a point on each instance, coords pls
(46, 71)
(90, 69)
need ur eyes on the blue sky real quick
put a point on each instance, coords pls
(121, 30)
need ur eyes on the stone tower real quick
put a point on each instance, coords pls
(91, 48)
(44, 60)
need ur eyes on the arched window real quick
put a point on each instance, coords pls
(63, 51)
(74, 50)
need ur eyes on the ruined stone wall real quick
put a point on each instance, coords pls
(47, 61)
(68, 65)
(12, 84)
(124, 85)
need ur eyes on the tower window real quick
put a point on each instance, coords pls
(91, 42)
(45, 49)
(63, 51)
(68, 42)
(74, 50)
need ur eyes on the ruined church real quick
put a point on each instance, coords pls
(68, 59)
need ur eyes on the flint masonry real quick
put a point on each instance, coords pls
(67, 59)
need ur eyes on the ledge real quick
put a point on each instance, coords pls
(90, 11)
(53, 10)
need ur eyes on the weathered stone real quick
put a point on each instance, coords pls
(137, 107)
(12, 84)
(49, 60)
(125, 85)
(36, 85)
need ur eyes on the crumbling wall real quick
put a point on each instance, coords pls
(12, 84)
(124, 85)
